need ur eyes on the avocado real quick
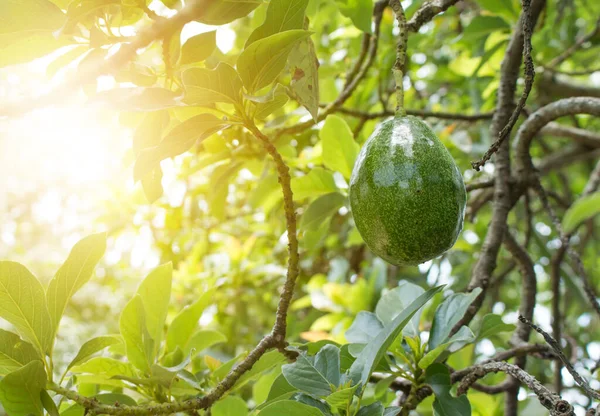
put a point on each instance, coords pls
(406, 193)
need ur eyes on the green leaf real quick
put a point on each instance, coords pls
(369, 357)
(304, 66)
(392, 302)
(15, 353)
(492, 324)
(280, 388)
(48, 404)
(20, 390)
(339, 148)
(267, 362)
(149, 132)
(464, 335)
(359, 11)
(327, 362)
(76, 271)
(220, 12)
(317, 182)
(155, 292)
(374, 409)
(140, 345)
(289, 408)
(278, 99)
(179, 140)
(112, 398)
(281, 15)
(205, 87)
(321, 209)
(198, 48)
(230, 406)
(91, 347)
(438, 377)
(311, 401)
(341, 398)
(30, 15)
(184, 324)
(262, 62)
(364, 328)
(202, 339)
(584, 208)
(501, 7)
(304, 375)
(138, 74)
(450, 311)
(392, 411)
(23, 304)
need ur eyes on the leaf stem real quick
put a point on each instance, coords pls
(398, 69)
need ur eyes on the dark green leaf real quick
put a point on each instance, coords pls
(262, 62)
(280, 388)
(374, 409)
(311, 401)
(463, 336)
(438, 377)
(198, 48)
(365, 327)
(327, 363)
(450, 311)
(304, 375)
(359, 11)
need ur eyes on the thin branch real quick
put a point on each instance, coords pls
(528, 23)
(581, 136)
(428, 11)
(414, 112)
(575, 47)
(548, 399)
(554, 344)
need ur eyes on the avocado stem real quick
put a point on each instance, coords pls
(398, 69)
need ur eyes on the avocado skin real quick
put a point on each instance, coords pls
(407, 195)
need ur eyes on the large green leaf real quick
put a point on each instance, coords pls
(341, 398)
(91, 347)
(140, 345)
(261, 62)
(359, 11)
(392, 302)
(23, 304)
(219, 12)
(14, 352)
(438, 377)
(339, 148)
(493, 324)
(30, 15)
(180, 139)
(202, 339)
(374, 409)
(155, 292)
(289, 408)
(304, 66)
(317, 182)
(305, 376)
(73, 274)
(281, 15)
(584, 208)
(105, 366)
(450, 311)
(276, 100)
(463, 336)
(20, 390)
(198, 48)
(369, 357)
(186, 321)
(327, 362)
(205, 87)
(321, 209)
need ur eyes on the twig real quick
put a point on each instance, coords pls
(528, 23)
(548, 399)
(573, 48)
(414, 112)
(554, 344)
(428, 11)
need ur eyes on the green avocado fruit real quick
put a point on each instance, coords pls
(406, 193)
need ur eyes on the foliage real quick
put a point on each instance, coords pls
(289, 105)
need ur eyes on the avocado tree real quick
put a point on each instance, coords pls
(387, 208)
